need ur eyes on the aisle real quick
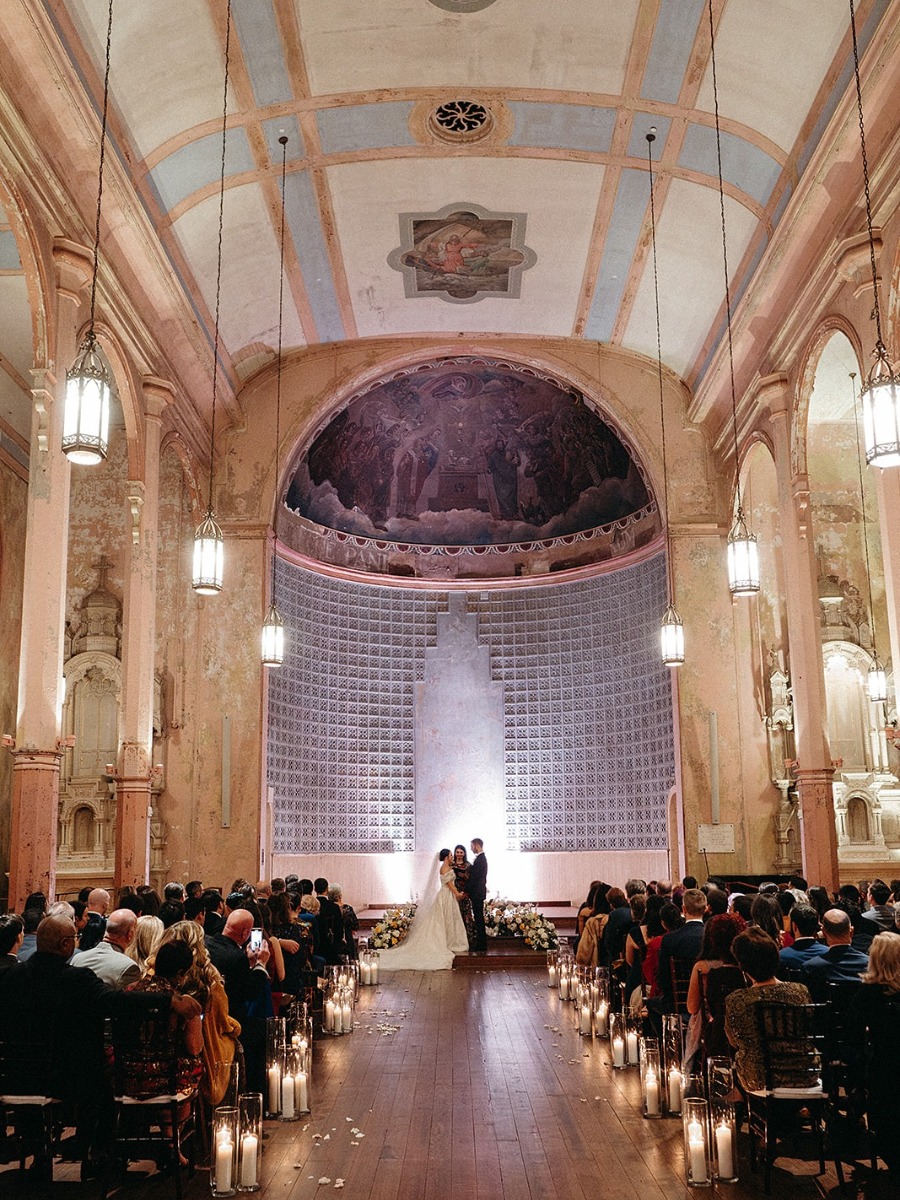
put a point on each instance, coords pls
(467, 1085)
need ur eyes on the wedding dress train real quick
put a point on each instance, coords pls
(437, 934)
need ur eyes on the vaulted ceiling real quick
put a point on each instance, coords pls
(539, 165)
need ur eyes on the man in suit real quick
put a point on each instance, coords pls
(12, 932)
(108, 959)
(244, 976)
(476, 889)
(682, 945)
(840, 963)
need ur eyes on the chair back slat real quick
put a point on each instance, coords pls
(792, 1043)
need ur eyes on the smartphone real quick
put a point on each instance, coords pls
(256, 939)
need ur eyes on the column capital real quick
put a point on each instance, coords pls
(158, 395)
(74, 267)
(773, 391)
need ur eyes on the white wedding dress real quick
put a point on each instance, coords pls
(437, 934)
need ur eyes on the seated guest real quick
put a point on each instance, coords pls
(820, 900)
(786, 901)
(170, 912)
(683, 945)
(840, 962)
(766, 915)
(880, 911)
(150, 900)
(97, 908)
(173, 893)
(245, 979)
(798, 887)
(741, 903)
(586, 909)
(148, 932)
(716, 902)
(296, 942)
(215, 918)
(195, 910)
(757, 956)
(109, 959)
(203, 981)
(805, 945)
(193, 890)
(12, 933)
(719, 933)
(873, 1026)
(619, 923)
(31, 919)
(638, 938)
(277, 885)
(173, 1041)
(631, 970)
(667, 920)
(47, 1002)
(863, 931)
(590, 944)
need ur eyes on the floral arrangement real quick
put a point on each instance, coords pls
(510, 918)
(392, 928)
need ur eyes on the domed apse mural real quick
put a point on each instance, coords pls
(466, 452)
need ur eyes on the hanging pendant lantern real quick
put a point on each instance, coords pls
(209, 556)
(877, 683)
(743, 559)
(273, 639)
(881, 413)
(86, 417)
(671, 636)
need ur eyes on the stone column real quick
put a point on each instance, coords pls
(815, 771)
(132, 862)
(35, 789)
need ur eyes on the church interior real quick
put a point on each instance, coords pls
(481, 331)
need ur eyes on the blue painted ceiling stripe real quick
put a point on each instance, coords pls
(9, 251)
(199, 163)
(261, 46)
(743, 164)
(631, 202)
(302, 215)
(365, 127)
(670, 50)
(562, 126)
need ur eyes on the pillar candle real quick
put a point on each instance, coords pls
(347, 1016)
(337, 1020)
(329, 1015)
(374, 970)
(551, 976)
(697, 1151)
(224, 1155)
(249, 1156)
(287, 1096)
(724, 1151)
(632, 1047)
(563, 987)
(603, 1020)
(586, 1019)
(618, 1049)
(651, 1084)
(674, 1090)
(364, 972)
(301, 1092)
(274, 1088)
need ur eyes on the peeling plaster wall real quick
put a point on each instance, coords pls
(13, 512)
(99, 522)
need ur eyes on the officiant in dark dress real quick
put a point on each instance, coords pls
(462, 868)
(476, 889)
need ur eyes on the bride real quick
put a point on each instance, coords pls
(437, 933)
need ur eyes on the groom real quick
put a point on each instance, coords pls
(477, 891)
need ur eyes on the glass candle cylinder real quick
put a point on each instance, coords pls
(562, 978)
(601, 1017)
(276, 1040)
(719, 1078)
(696, 1142)
(632, 1040)
(651, 1082)
(373, 966)
(250, 1117)
(223, 1169)
(724, 1140)
(672, 1059)
(617, 1043)
(365, 975)
(289, 1071)
(552, 959)
(346, 999)
(584, 1011)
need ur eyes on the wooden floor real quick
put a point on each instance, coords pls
(472, 1085)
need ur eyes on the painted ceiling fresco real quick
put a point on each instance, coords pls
(466, 451)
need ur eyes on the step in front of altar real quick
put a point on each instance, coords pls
(502, 954)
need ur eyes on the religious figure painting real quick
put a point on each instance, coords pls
(466, 452)
(462, 253)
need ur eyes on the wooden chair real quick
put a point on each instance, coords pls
(843, 1077)
(680, 970)
(792, 1042)
(29, 1098)
(157, 1112)
(715, 987)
